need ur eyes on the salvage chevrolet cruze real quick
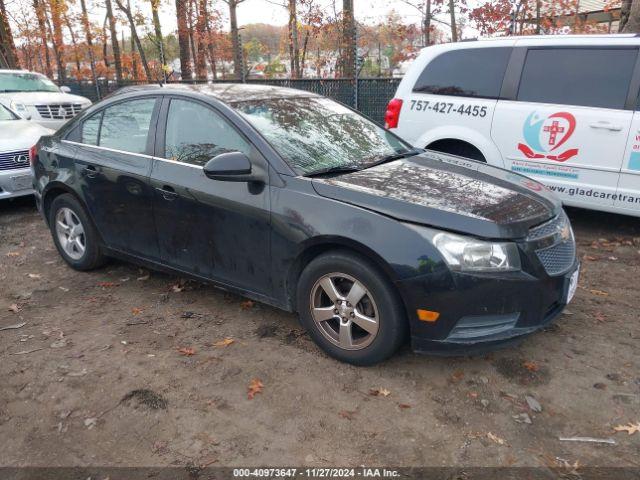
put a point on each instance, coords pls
(294, 200)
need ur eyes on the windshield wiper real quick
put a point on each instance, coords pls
(335, 169)
(395, 156)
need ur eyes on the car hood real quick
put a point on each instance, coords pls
(447, 192)
(41, 98)
(20, 134)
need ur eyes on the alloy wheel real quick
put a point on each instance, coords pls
(344, 311)
(70, 232)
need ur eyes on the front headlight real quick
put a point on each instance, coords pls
(18, 107)
(468, 254)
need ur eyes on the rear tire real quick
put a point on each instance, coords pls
(350, 309)
(74, 235)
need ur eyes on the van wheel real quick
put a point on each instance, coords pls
(73, 234)
(459, 148)
(350, 309)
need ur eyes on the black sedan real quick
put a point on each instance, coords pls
(294, 200)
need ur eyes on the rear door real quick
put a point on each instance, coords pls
(568, 122)
(113, 162)
(210, 228)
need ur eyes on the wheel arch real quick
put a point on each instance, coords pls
(54, 190)
(475, 139)
(320, 245)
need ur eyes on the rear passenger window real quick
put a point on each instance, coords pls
(125, 126)
(472, 72)
(90, 129)
(592, 77)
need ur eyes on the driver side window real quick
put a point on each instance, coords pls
(196, 133)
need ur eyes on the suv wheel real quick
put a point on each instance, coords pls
(73, 234)
(350, 309)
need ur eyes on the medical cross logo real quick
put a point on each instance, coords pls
(544, 135)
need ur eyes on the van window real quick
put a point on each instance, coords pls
(591, 77)
(472, 72)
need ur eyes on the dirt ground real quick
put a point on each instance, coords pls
(125, 367)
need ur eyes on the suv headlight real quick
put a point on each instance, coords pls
(468, 254)
(18, 107)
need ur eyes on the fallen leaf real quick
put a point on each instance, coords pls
(247, 305)
(404, 405)
(600, 293)
(143, 278)
(613, 259)
(35, 276)
(90, 422)
(457, 376)
(224, 343)
(379, 392)
(254, 387)
(600, 317)
(630, 428)
(15, 308)
(136, 311)
(107, 284)
(13, 254)
(187, 351)
(531, 366)
(590, 258)
(176, 287)
(495, 438)
(347, 414)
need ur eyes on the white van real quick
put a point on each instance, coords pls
(561, 109)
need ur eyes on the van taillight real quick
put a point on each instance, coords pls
(33, 153)
(392, 115)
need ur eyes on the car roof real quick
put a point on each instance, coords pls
(225, 92)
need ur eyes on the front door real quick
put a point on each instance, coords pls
(113, 162)
(568, 126)
(214, 229)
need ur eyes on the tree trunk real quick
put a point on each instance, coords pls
(454, 27)
(42, 28)
(203, 41)
(630, 16)
(235, 40)
(8, 53)
(74, 42)
(134, 36)
(105, 57)
(183, 39)
(537, 17)
(211, 49)
(115, 46)
(348, 59)
(294, 50)
(159, 40)
(87, 31)
(57, 9)
(426, 26)
(303, 57)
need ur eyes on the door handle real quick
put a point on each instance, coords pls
(606, 126)
(90, 171)
(167, 192)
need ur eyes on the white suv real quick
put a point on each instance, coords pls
(34, 97)
(561, 109)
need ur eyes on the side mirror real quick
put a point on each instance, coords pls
(230, 167)
(65, 89)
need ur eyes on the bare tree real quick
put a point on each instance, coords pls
(38, 6)
(57, 9)
(8, 53)
(158, 38)
(203, 40)
(454, 27)
(630, 16)
(235, 37)
(183, 39)
(115, 46)
(134, 36)
(348, 47)
(89, 36)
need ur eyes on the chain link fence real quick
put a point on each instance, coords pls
(370, 98)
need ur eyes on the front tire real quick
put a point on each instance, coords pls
(350, 309)
(73, 233)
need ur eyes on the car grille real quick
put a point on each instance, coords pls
(558, 251)
(8, 162)
(59, 111)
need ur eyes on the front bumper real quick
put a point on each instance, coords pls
(479, 312)
(15, 183)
